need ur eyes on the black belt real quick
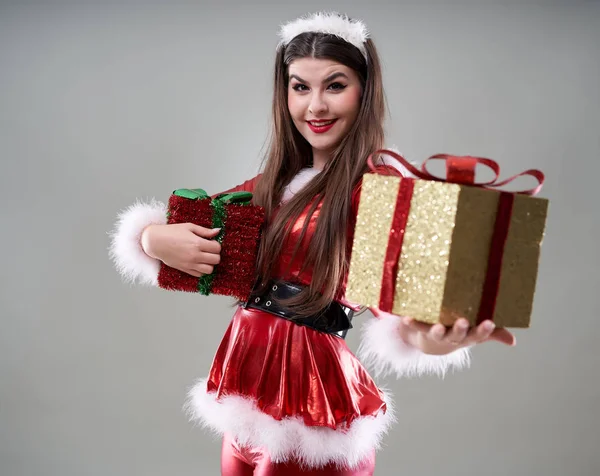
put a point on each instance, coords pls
(335, 319)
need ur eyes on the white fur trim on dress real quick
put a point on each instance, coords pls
(289, 438)
(383, 350)
(125, 247)
(300, 181)
(353, 31)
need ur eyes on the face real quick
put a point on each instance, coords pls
(323, 100)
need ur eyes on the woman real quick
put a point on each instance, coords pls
(284, 390)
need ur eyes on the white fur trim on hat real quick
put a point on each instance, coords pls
(125, 248)
(383, 350)
(353, 31)
(288, 438)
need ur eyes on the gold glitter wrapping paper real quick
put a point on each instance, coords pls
(469, 255)
(425, 252)
(473, 230)
(520, 263)
(373, 223)
(445, 252)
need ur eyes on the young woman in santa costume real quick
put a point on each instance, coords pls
(284, 390)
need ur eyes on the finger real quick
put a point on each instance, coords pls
(437, 332)
(480, 332)
(504, 337)
(457, 333)
(193, 272)
(416, 325)
(208, 258)
(203, 231)
(204, 268)
(209, 246)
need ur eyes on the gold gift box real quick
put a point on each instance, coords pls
(445, 252)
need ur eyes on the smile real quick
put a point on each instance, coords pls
(321, 126)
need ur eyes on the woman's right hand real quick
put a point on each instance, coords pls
(183, 246)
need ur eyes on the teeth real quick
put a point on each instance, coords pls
(320, 124)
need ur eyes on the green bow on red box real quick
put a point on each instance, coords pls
(218, 203)
(240, 224)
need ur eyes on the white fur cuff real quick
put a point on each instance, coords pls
(125, 248)
(385, 352)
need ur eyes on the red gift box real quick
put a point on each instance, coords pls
(241, 226)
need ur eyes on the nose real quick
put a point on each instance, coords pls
(318, 105)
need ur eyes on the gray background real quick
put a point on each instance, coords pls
(102, 103)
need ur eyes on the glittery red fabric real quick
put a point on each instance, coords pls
(235, 274)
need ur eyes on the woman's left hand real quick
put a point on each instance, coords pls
(436, 339)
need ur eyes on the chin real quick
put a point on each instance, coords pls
(323, 145)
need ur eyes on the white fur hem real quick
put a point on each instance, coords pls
(384, 352)
(125, 249)
(288, 438)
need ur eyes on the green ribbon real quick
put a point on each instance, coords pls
(239, 198)
(191, 193)
(218, 218)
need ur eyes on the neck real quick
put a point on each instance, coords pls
(320, 159)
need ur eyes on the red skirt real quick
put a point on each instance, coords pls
(295, 391)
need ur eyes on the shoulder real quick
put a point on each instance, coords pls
(246, 186)
(249, 185)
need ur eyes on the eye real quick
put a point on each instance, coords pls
(299, 87)
(337, 86)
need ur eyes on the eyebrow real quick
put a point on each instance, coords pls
(331, 77)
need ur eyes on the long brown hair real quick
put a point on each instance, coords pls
(289, 152)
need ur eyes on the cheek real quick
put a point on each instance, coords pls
(294, 106)
(349, 103)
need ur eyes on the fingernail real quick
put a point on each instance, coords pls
(406, 320)
(488, 326)
(216, 229)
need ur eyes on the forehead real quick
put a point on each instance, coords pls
(313, 69)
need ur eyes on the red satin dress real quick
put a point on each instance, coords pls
(288, 371)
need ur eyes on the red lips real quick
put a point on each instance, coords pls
(321, 129)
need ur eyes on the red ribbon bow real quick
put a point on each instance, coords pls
(461, 170)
